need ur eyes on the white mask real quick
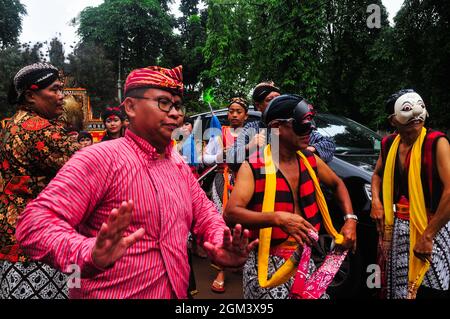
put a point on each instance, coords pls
(410, 107)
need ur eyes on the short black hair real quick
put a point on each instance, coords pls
(188, 120)
(84, 134)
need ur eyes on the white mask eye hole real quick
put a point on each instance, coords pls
(407, 108)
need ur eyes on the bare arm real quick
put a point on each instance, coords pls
(330, 179)
(236, 211)
(377, 210)
(424, 245)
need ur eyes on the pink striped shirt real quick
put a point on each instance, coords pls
(60, 225)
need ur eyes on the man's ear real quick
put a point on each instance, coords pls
(129, 107)
(29, 97)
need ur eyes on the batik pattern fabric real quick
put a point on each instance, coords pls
(33, 150)
(252, 289)
(31, 280)
(437, 277)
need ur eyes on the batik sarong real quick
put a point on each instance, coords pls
(31, 280)
(437, 276)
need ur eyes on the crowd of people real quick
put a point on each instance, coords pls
(121, 213)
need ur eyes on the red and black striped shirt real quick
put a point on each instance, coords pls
(284, 200)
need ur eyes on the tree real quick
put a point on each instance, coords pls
(193, 37)
(56, 53)
(286, 42)
(91, 69)
(12, 59)
(422, 30)
(191, 43)
(357, 62)
(134, 31)
(11, 13)
(227, 49)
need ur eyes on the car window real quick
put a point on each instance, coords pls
(350, 137)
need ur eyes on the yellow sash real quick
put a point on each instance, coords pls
(288, 269)
(417, 211)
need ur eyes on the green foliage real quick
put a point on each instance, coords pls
(356, 61)
(321, 49)
(227, 48)
(56, 53)
(92, 70)
(192, 27)
(11, 13)
(286, 39)
(422, 58)
(134, 31)
(12, 59)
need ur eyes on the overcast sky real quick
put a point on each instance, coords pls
(49, 18)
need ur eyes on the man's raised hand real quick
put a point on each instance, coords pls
(111, 245)
(234, 250)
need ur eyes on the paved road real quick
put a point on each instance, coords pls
(204, 276)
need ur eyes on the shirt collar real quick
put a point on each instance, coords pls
(146, 147)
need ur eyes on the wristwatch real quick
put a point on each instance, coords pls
(351, 216)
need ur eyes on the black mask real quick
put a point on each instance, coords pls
(303, 119)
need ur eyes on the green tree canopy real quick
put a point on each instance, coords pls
(422, 55)
(12, 59)
(11, 14)
(56, 53)
(134, 31)
(91, 69)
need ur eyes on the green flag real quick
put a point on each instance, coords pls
(208, 96)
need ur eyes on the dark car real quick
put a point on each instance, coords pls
(357, 150)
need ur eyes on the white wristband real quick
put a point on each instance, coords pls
(351, 216)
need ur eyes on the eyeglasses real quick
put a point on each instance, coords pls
(164, 104)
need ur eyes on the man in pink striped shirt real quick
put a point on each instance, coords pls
(120, 211)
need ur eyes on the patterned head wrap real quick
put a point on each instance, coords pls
(112, 111)
(156, 77)
(37, 76)
(239, 100)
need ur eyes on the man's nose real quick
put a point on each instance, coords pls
(173, 113)
(417, 110)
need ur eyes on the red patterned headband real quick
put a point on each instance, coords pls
(157, 77)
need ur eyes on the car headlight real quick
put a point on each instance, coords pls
(368, 190)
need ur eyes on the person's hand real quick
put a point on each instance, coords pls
(259, 140)
(424, 247)
(349, 233)
(312, 149)
(296, 226)
(111, 245)
(234, 250)
(377, 214)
